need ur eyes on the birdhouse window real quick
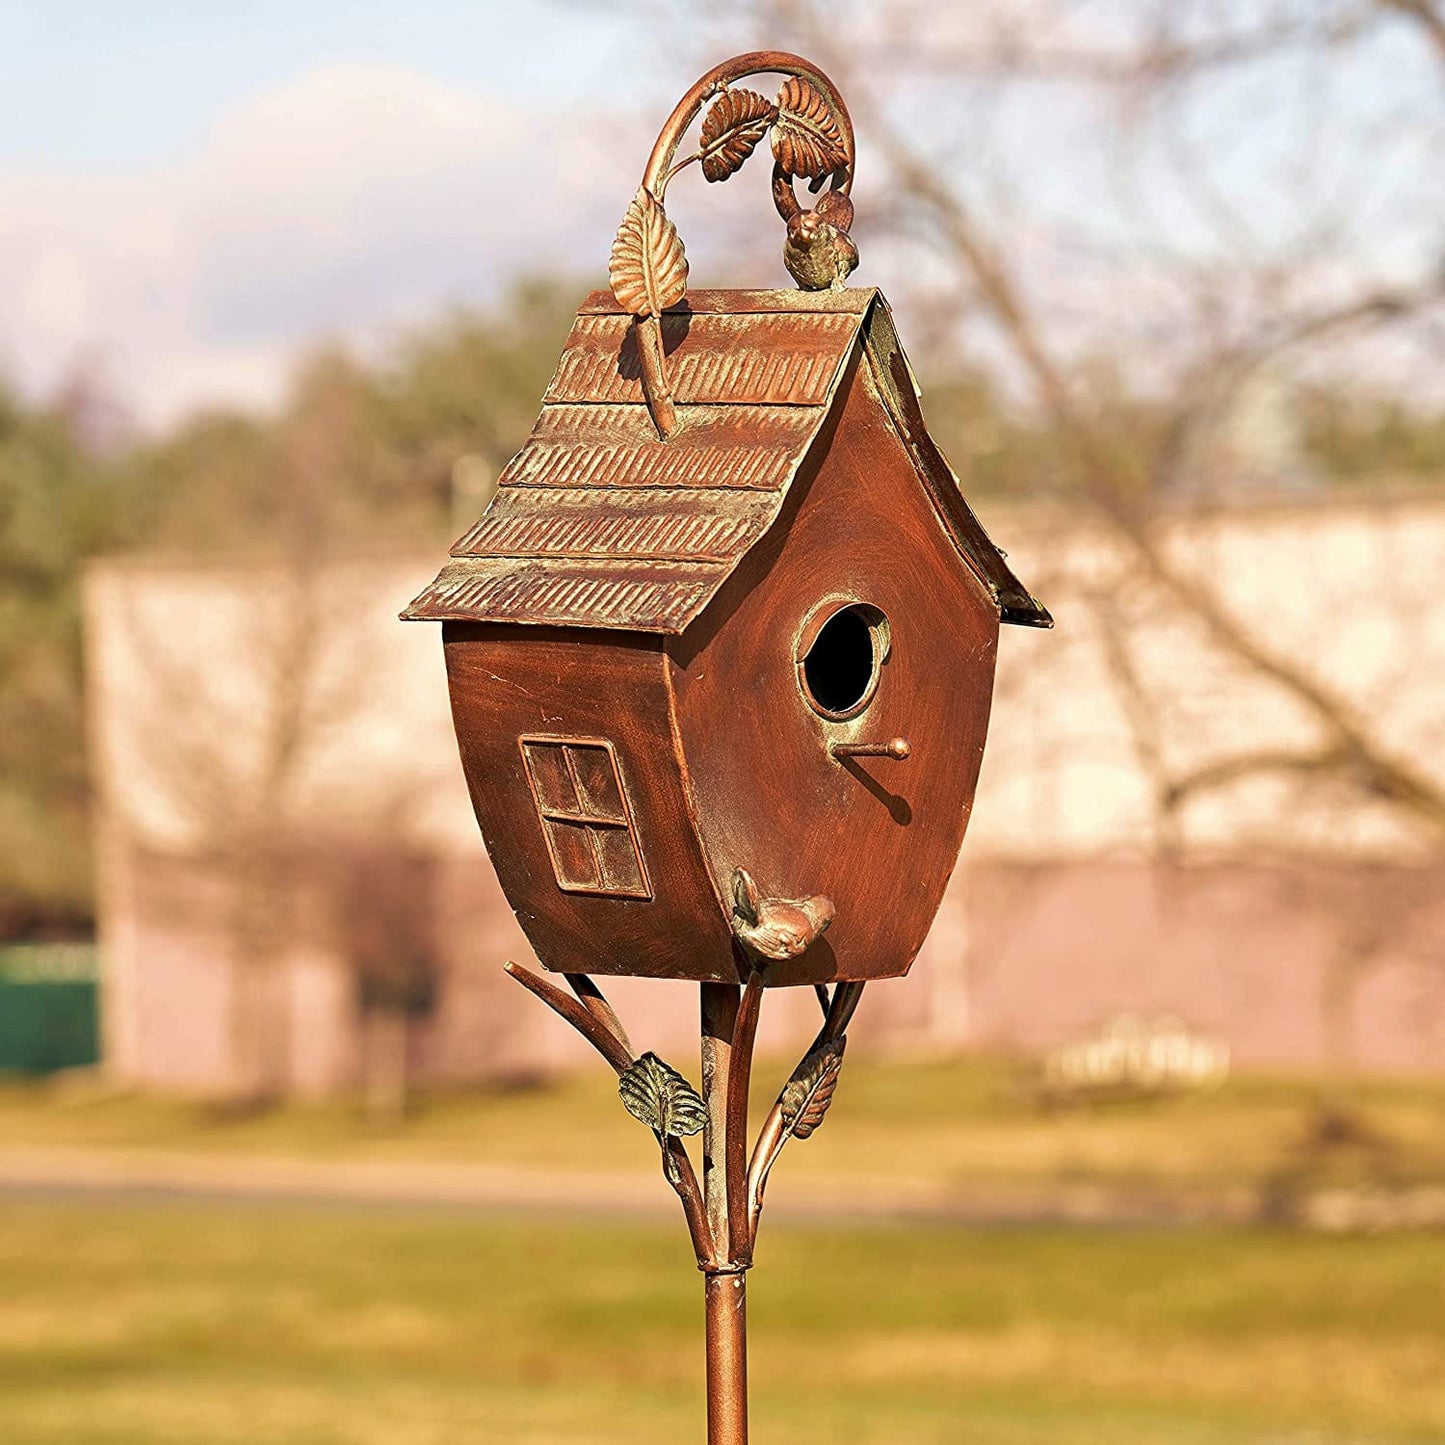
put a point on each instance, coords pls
(840, 656)
(585, 816)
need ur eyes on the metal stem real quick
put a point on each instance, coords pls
(654, 375)
(728, 1026)
(740, 1073)
(776, 62)
(727, 1359)
(722, 1212)
(592, 1016)
(719, 1023)
(774, 1133)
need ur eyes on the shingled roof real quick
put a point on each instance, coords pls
(596, 522)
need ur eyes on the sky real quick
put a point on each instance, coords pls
(194, 194)
(101, 86)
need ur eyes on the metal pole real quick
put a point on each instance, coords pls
(726, 1289)
(727, 1359)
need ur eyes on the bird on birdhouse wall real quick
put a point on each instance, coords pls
(776, 928)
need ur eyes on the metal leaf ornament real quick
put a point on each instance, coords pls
(648, 270)
(807, 140)
(807, 1095)
(734, 125)
(661, 1098)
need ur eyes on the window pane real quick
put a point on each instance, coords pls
(621, 872)
(548, 767)
(572, 855)
(584, 816)
(600, 792)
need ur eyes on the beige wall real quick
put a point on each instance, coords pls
(1064, 912)
(1351, 587)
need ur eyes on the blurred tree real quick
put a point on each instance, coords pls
(468, 391)
(59, 504)
(359, 456)
(1365, 438)
(1233, 202)
(383, 919)
(364, 452)
(1191, 314)
(358, 453)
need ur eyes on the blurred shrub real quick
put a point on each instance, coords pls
(1133, 1058)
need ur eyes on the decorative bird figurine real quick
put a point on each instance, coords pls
(818, 251)
(776, 928)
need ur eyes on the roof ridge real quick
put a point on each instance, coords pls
(713, 357)
(846, 300)
(600, 522)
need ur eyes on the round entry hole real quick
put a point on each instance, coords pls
(839, 669)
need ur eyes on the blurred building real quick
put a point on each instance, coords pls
(279, 790)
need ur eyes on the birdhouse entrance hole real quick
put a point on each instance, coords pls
(841, 651)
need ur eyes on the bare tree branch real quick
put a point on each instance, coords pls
(1130, 516)
(1425, 14)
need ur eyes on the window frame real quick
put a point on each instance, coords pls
(592, 822)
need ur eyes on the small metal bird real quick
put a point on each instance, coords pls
(776, 928)
(818, 251)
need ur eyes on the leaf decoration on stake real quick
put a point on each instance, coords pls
(734, 125)
(807, 139)
(648, 270)
(807, 1095)
(661, 1098)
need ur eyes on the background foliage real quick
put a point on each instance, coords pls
(386, 450)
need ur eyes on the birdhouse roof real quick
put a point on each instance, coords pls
(597, 522)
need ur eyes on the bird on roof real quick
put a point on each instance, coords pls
(776, 928)
(818, 252)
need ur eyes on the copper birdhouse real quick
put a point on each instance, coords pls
(721, 647)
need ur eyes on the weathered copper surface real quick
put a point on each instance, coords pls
(758, 357)
(877, 836)
(596, 498)
(508, 683)
(734, 540)
(720, 653)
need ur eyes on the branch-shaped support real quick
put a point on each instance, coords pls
(722, 1214)
(805, 1097)
(811, 138)
(592, 1016)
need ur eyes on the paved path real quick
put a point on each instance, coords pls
(118, 1172)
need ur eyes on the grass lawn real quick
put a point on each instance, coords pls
(966, 1125)
(216, 1324)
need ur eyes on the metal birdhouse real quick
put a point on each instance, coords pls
(721, 655)
(721, 647)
